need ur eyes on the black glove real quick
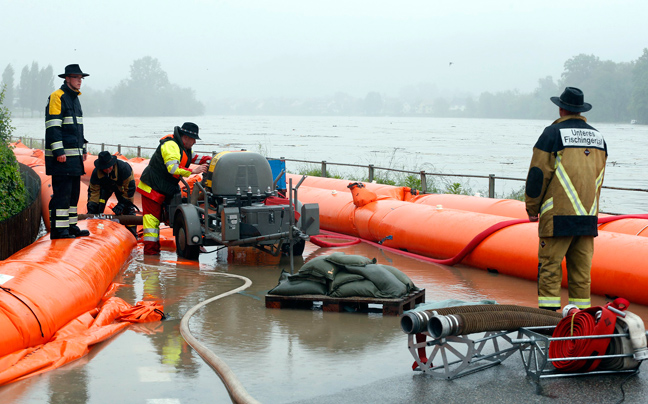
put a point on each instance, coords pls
(129, 210)
(118, 209)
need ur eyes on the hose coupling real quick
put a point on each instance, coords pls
(414, 322)
(443, 326)
(567, 309)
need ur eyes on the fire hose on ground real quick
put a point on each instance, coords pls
(601, 321)
(237, 392)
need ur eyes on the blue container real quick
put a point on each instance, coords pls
(277, 166)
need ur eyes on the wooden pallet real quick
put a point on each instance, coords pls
(391, 307)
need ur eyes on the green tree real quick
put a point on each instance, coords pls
(639, 98)
(373, 103)
(34, 78)
(148, 92)
(35, 85)
(541, 106)
(609, 90)
(24, 89)
(8, 81)
(45, 87)
(95, 102)
(13, 195)
(579, 69)
(486, 107)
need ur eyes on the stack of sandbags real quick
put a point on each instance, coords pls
(340, 275)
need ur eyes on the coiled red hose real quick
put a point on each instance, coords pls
(577, 324)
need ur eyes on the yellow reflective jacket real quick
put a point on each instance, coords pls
(564, 182)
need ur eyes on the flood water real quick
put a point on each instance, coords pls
(436, 145)
(311, 356)
(285, 355)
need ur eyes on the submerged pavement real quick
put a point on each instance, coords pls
(296, 356)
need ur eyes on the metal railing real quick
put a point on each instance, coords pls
(371, 175)
(371, 169)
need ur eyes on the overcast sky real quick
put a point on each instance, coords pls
(316, 48)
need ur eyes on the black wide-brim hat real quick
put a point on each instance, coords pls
(189, 129)
(73, 69)
(572, 99)
(105, 160)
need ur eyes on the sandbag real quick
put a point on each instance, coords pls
(389, 286)
(401, 277)
(341, 275)
(290, 285)
(363, 288)
(342, 259)
(342, 278)
(319, 267)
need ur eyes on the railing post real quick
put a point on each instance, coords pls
(371, 172)
(491, 185)
(423, 182)
(324, 168)
(103, 146)
(139, 151)
(31, 143)
(119, 149)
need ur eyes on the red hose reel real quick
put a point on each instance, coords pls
(595, 320)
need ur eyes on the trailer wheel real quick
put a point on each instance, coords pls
(183, 248)
(298, 248)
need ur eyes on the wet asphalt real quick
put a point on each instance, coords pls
(296, 356)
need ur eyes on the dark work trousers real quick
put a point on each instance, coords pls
(63, 205)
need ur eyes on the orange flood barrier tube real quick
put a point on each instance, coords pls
(51, 282)
(617, 265)
(636, 225)
(49, 293)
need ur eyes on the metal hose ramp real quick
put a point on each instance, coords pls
(237, 392)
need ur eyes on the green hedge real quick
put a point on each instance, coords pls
(13, 195)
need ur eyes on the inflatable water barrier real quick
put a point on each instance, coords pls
(49, 297)
(397, 218)
(55, 295)
(631, 224)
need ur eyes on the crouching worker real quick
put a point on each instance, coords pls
(159, 181)
(112, 176)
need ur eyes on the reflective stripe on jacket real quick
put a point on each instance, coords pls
(565, 178)
(169, 162)
(64, 133)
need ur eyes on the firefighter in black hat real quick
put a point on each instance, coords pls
(562, 194)
(159, 181)
(65, 152)
(112, 176)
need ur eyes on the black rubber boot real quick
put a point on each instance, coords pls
(58, 232)
(77, 232)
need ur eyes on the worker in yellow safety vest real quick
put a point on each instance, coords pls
(159, 181)
(563, 187)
